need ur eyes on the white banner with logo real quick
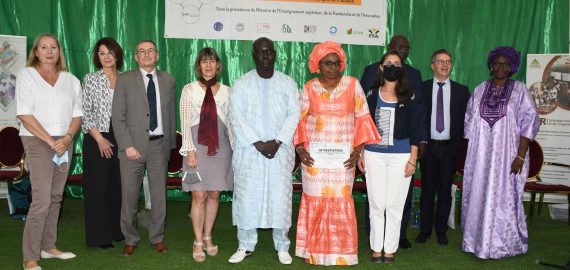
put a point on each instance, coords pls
(548, 79)
(12, 58)
(361, 22)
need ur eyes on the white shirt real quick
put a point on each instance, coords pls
(444, 135)
(53, 106)
(158, 130)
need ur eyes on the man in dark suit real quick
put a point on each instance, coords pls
(401, 44)
(446, 102)
(144, 123)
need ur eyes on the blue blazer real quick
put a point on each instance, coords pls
(414, 79)
(406, 119)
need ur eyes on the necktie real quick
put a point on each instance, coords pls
(439, 109)
(151, 95)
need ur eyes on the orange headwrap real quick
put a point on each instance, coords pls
(323, 49)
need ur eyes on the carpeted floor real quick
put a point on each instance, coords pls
(549, 242)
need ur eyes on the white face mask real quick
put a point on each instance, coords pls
(60, 159)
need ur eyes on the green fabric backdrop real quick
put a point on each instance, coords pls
(467, 28)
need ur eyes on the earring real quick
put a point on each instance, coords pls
(492, 69)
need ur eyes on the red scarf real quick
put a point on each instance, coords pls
(208, 127)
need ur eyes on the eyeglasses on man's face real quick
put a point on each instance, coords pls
(148, 51)
(442, 62)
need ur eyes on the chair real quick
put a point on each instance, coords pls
(175, 164)
(459, 173)
(12, 156)
(536, 159)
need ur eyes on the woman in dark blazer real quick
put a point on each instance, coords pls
(390, 164)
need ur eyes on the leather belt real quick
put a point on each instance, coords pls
(440, 141)
(155, 137)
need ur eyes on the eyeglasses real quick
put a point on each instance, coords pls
(503, 65)
(149, 51)
(330, 64)
(442, 62)
(265, 52)
(103, 54)
(388, 64)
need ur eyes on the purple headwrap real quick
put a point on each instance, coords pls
(508, 52)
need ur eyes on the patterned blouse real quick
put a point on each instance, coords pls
(190, 105)
(97, 101)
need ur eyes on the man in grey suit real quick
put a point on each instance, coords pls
(144, 123)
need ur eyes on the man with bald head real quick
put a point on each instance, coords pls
(400, 44)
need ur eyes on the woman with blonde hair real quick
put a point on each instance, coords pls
(48, 103)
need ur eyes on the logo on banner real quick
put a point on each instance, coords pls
(218, 26)
(373, 32)
(310, 29)
(240, 27)
(285, 28)
(333, 30)
(351, 32)
(534, 64)
(263, 28)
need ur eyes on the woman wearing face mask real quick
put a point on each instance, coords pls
(390, 164)
(333, 111)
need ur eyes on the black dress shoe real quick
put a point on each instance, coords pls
(442, 239)
(389, 259)
(107, 247)
(405, 244)
(422, 238)
(378, 259)
(119, 239)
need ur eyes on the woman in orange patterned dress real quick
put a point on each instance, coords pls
(334, 111)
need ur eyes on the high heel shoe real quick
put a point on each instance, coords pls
(198, 256)
(213, 250)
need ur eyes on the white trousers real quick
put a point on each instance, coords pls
(387, 190)
(248, 239)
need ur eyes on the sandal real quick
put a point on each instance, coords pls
(213, 250)
(198, 256)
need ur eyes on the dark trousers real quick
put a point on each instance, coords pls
(102, 193)
(405, 216)
(438, 170)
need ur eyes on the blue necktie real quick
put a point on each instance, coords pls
(439, 109)
(151, 95)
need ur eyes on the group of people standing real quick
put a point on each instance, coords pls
(245, 139)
